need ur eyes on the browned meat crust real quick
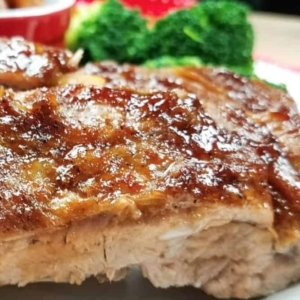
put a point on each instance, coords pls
(24, 3)
(183, 169)
(3, 4)
(25, 65)
(73, 152)
(249, 108)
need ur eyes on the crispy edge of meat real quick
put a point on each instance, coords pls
(27, 65)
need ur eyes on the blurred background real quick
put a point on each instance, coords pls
(276, 23)
(277, 6)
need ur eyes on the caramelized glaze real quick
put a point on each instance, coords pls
(148, 142)
(25, 65)
(249, 108)
(72, 152)
(272, 115)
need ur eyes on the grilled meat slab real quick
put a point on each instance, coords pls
(187, 173)
(25, 65)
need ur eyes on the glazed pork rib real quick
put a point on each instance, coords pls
(174, 171)
(25, 65)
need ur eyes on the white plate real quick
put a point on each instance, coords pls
(276, 74)
(134, 287)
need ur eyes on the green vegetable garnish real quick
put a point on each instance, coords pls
(218, 32)
(215, 33)
(110, 32)
(169, 61)
(82, 14)
(280, 86)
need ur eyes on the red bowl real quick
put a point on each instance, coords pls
(46, 24)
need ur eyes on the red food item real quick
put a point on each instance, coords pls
(84, 1)
(158, 8)
(153, 8)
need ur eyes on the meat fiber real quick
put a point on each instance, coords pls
(190, 174)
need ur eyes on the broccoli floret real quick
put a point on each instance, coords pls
(111, 32)
(82, 13)
(280, 86)
(216, 31)
(169, 61)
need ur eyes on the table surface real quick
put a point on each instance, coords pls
(277, 37)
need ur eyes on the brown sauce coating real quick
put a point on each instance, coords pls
(26, 65)
(275, 115)
(73, 152)
(142, 145)
(251, 108)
